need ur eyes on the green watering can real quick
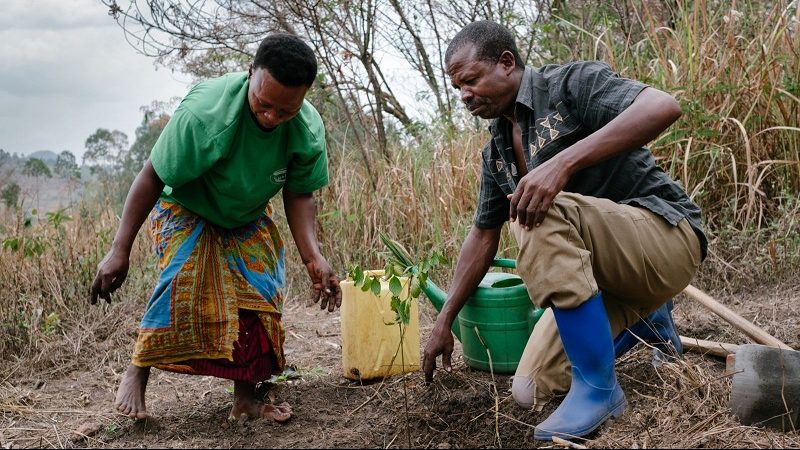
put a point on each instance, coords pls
(503, 313)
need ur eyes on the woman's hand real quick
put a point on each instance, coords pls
(325, 284)
(111, 273)
(113, 269)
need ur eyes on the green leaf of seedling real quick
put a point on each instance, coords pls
(397, 308)
(404, 312)
(395, 286)
(415, 288)
(394, 305)
(358, 277)
(376, 286)
(367, 284)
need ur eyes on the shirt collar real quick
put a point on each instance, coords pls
(525, 93)
(524, 96)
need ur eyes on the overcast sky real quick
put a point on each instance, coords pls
(66, 70)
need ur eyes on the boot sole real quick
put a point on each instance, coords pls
(616, 412)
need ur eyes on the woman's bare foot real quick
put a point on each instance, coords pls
(246, 403)
(130, 396)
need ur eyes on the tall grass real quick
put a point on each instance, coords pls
(46, 321)
(735, 71)
(735, 68)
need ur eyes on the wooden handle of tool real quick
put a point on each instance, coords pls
(721, 349)
(758, 335)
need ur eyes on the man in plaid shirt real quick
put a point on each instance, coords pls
(605, 237)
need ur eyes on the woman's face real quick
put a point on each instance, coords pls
(271, 102)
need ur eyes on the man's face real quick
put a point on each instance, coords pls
(271, 102)
(486, 89)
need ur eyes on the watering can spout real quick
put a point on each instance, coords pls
(437, 298)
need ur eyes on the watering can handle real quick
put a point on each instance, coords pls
(505, 263)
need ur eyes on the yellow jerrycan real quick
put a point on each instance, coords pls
(371, 348)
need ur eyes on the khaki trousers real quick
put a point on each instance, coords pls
(585, 244)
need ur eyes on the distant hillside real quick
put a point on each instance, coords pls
(45, 155)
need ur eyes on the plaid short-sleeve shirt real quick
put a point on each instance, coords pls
(558, 105)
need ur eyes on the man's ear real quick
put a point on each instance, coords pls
(250, 72)
(508, 62)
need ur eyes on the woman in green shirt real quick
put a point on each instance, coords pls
(232, 144)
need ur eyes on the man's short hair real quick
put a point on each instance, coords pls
(490, 40)
(288, 59)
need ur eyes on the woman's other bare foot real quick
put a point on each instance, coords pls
(130, 396)
(246, 403)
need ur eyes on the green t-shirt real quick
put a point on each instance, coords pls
(216, 162)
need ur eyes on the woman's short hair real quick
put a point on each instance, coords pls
(288, 59)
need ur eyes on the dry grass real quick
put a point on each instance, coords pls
(735, 68)
(682, 405)
(736, 150)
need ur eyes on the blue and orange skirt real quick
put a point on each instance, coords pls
(216, 309)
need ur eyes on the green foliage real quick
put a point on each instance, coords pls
(51, 323)
(12, 243)
(57, 218)
(35, 245)
(113, 163)
(35, 167)
(66, 166)
(291, 373)
(32, 246)
(10, 194)
(111, 429)
(154, 118)
(399, 264)
(104, 149)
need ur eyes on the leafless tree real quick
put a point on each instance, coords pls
(206, 38)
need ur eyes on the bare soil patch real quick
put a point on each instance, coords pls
(677, 405)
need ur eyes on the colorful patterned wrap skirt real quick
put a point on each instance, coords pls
(216, 309)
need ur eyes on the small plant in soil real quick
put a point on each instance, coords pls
(399, 264)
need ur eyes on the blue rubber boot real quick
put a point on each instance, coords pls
(594, 395)
(657, 329)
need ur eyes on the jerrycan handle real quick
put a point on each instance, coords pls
(504, 263)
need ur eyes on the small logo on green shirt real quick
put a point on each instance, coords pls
(279, 176)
